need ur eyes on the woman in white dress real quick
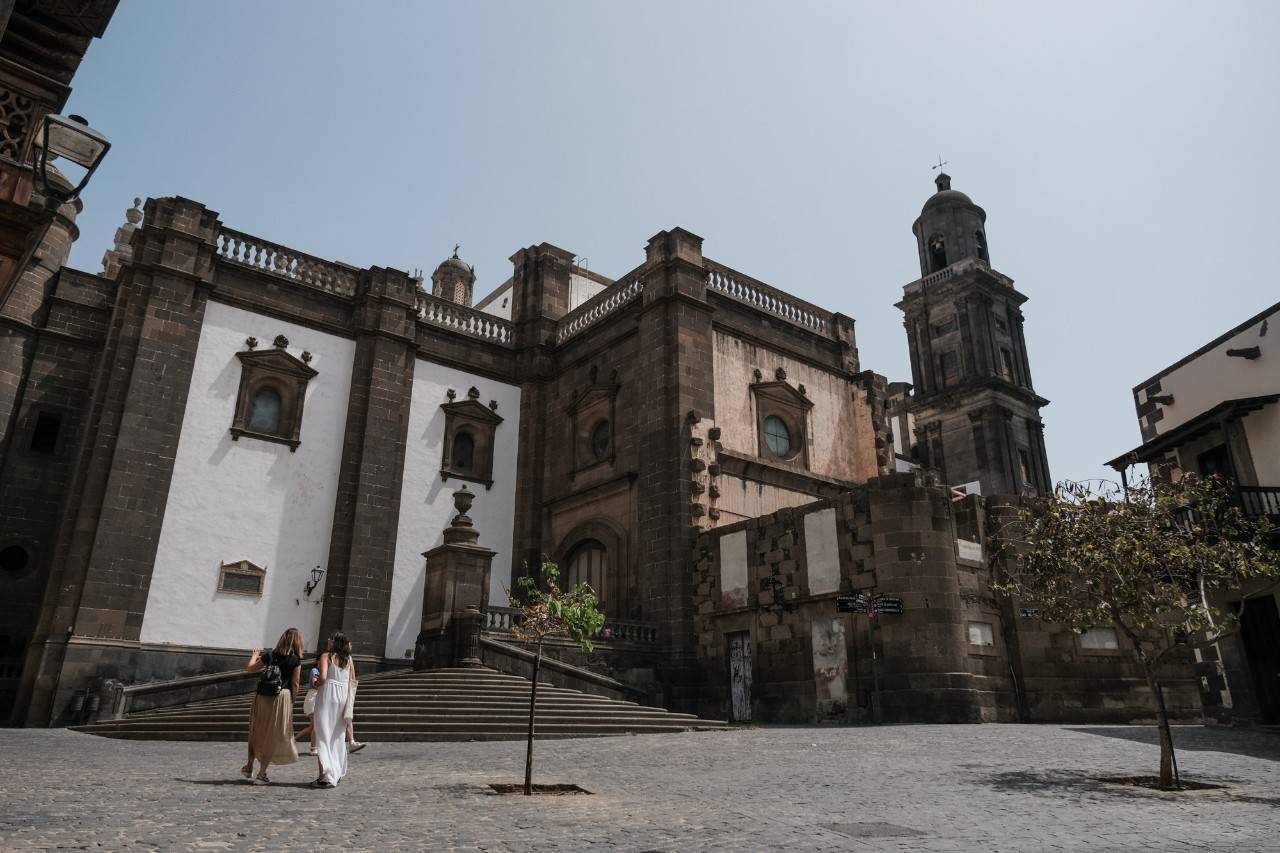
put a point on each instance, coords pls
(333, 709)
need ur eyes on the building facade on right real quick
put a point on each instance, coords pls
(1217, 411)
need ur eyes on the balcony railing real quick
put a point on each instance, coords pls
(1259, 500)
(601, 305)
(502, 619)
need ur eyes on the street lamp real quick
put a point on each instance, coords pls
(70, 138)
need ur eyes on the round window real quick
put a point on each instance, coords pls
(14, 559)
(600, 440)
(777, 436)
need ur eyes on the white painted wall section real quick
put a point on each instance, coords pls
(426, 501)
(822, 551)
(248, 499)
(581, 289)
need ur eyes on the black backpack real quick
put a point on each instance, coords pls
(270, 682)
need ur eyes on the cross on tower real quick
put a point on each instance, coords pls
(940, 163)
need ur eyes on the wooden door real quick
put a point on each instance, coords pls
(740, 676)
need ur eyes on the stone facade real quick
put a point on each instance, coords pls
(956, 652)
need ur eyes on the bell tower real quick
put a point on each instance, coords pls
(977, 416)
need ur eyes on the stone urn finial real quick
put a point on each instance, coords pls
(462, 529)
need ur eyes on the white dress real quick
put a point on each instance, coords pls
(331, 722)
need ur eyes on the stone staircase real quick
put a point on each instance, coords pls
(429, 705)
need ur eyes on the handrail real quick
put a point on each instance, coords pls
(743, 288)
(255, 253)
(961, 266)
(463, 320)
(556, 665)
(601, 305)
(1259, 500)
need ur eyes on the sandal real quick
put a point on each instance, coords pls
(321, 783)
(247, 771)
(261, 780)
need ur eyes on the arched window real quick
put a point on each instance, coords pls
(464, 449)
(980, 243)
(937, 253)
(589, 564)
(265, 413)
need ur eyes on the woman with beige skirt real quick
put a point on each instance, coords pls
(271, 714)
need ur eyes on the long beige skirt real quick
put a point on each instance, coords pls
(271, 728)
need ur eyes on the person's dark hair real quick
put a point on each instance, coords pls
(340, 648)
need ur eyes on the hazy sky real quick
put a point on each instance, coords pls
(1126, 153)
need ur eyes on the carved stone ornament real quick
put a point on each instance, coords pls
(306, 359)
(756, 375)
(251, 343)
(780, 375)
(280, 342)
(451, 394)
(473, 393)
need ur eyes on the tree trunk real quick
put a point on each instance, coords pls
(1167, 779)
(533, 700)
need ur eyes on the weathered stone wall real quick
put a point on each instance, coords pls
(957, 653)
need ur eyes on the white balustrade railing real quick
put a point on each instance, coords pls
(463, 320)
(760, 296)
(265, 256)
(601, 305)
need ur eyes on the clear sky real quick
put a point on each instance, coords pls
(1126, 153)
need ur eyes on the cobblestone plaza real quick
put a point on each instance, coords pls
(935, 788)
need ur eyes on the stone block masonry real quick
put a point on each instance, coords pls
(956, 653)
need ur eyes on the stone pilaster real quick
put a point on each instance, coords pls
(676, 355)
(362, 548)
(107, 543)
(455, 589)
(541, 297)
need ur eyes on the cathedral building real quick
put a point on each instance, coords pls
(218, 436)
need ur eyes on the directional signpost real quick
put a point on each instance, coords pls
(872, 606)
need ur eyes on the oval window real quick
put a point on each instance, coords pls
(777, 436)
(14, 558)
(600, 440)
(265, 414)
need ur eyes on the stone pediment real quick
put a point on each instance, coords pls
(783, 393)
(277, 361)
(472, 410)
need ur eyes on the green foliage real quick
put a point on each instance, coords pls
(547, 610)
(1155, 558)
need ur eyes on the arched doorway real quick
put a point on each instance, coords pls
(588, 563)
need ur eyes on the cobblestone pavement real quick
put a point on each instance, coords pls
(932, 788)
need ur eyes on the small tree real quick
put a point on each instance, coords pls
(1153, 562)
(546, 610)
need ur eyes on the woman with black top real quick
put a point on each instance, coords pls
(271, 715)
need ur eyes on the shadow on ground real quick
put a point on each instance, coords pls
(1079, 783)
(243, 783)
(1254, 744)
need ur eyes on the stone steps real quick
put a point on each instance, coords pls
(450, 704)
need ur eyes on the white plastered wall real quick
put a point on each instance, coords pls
(248, 499)
(582, 288)
(426, 501)
(1214, 377)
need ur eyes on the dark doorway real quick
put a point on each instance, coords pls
(1216, 460)
(1260, 634)
(740, 676)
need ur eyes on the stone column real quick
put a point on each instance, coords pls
(455, 591)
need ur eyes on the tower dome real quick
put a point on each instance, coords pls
(454, 280)
(950, 228)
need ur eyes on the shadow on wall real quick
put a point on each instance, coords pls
(1255, 744)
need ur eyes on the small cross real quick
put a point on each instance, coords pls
(457, 246)
(940, 164)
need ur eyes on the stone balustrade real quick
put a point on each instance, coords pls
(503, 619)
(463, 320)
(255, 253)
(963, 265)
(757, 294)
(601, 305)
